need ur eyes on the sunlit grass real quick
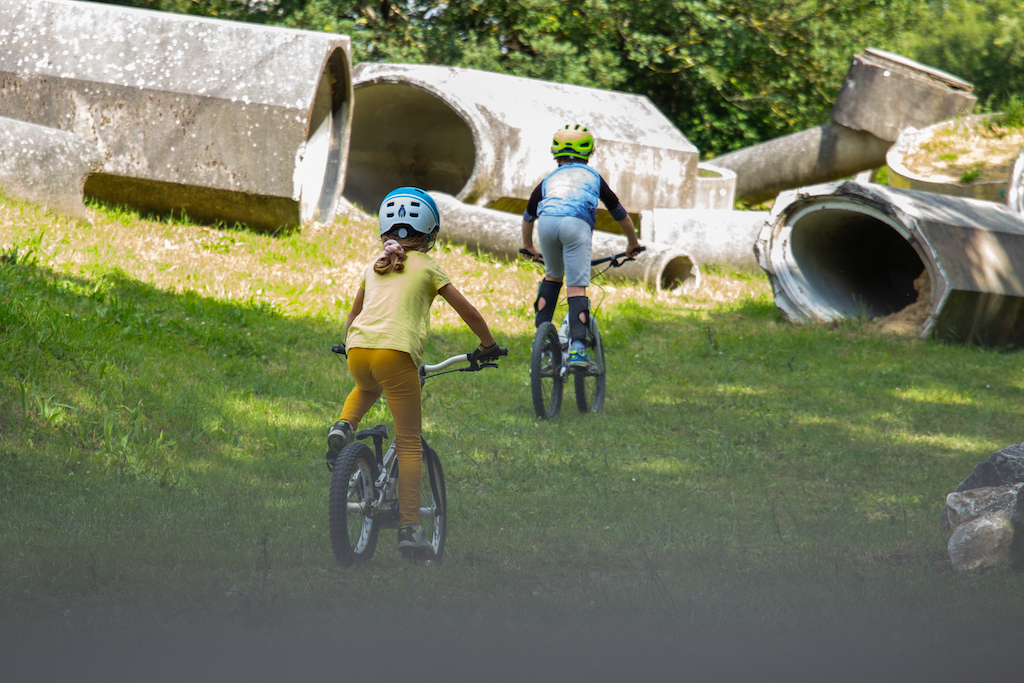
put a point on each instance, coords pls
(166, 388)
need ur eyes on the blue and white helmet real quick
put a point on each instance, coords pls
(409, 206)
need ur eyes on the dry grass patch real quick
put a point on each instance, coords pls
(314, 271)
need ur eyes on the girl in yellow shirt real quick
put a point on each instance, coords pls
(385, 334)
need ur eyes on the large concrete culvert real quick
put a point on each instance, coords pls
(846, 250)
(222, 120)
(406, 136)
(484, 137)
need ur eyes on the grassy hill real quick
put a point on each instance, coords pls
(756, 497)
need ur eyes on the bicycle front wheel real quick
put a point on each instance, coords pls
(590, 384)
(546, 371)
(353, 528)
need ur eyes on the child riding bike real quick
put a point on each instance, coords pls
(564, 206)
(385, 334)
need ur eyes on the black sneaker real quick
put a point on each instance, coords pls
(412, 536)
(339, 436)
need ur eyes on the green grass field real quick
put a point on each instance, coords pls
(753, 494)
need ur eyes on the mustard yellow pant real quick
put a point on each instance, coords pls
(393, 373)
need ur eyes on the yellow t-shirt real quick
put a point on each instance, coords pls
(396, 307)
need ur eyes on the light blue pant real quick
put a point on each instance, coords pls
(565, 242)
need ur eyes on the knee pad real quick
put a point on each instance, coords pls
(548, 291)
(578, 330)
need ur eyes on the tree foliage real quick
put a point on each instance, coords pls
(981, 41)
(728, 73)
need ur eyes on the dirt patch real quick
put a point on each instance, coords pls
(969, 150)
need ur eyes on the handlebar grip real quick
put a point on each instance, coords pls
(339, 349)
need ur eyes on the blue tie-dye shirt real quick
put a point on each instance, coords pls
(573, 189)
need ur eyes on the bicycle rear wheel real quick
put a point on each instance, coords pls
(433, 508)
(546, 371)
(590, 385)
(353, 528)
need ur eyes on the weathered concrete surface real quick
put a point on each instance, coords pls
(223, 120)
(882, 93)
(661, 267)
(840, 250)
(912, 140)
(484, 137)
(45, 166)
(716, 187)
(707, 235)
(1015, 186)
(811, 156)
(986, 525)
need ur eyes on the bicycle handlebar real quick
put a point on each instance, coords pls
(615, 259)
(474, 364)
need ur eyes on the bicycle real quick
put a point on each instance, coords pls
(549, 359)
(364, 485)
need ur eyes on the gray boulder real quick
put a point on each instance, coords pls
(1002, 468)
(985, 514)
(987, 524)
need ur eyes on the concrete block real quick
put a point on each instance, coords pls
(707, 235)
(223, 120)
(883, 93)
(485, 137)
(844, 250)
(661, 266)
(46, 167)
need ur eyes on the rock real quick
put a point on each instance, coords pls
(986, 523)
(1002, 468)
(985, 514)
(983, 543)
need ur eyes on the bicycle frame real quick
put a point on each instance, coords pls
(364, 486)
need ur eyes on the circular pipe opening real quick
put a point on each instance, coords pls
(851, 264)
(403, 135)
(677, 274)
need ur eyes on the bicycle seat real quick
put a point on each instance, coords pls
(378, 432)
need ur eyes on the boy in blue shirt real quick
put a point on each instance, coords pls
(564, 206)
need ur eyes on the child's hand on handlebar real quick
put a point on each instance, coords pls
(530, 253)
(487, 353)
(633, 249)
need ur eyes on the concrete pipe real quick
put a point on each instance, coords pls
(47, 167)
(1015, 186)
(716, 187)
(222, 120)
(811, 156)
(660, 267)
(844, 250)
(707, 235)
(912, 140)
(485, 138)
(882, 94)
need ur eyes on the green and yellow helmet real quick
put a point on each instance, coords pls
(572, 141)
